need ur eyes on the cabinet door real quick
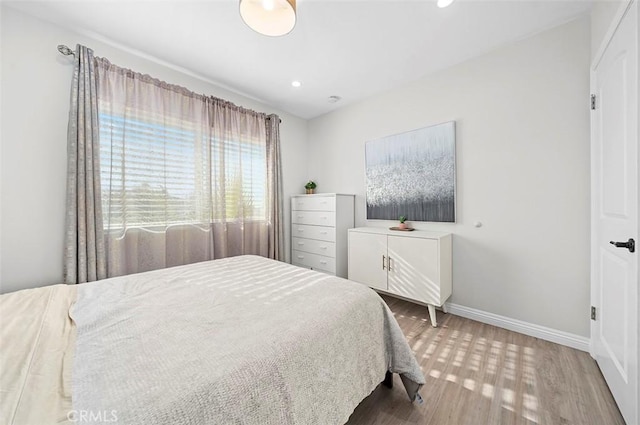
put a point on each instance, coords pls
(413, 268)
(367, 259)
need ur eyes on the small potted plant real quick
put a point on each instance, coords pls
(402, 224)
(310, 186)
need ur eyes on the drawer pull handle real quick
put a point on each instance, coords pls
(300, 257)
(300, 230)
(300, 243)
(323, 247)
(323, 233)
(324, 217)
(300, 216)
(323, 262)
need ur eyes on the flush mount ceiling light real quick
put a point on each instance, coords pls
(444, 3)
(269, 17)
(296, 83)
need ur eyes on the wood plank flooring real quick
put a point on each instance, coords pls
(479, 374)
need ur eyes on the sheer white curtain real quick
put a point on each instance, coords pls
(185, 177)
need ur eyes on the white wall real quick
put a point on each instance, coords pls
(602, 16)
(35, 90)
(522, 123)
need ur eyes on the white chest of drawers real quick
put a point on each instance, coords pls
(319, 226)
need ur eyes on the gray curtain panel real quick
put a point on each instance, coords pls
(84, 255)
(274, 190)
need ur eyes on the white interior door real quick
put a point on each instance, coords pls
(614, 292)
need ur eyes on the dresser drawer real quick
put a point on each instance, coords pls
(318, 218)
(313, 246)
(313, 261)
(317, 270)
(321, 233)
(314, 203)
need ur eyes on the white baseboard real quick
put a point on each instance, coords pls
(559, 337)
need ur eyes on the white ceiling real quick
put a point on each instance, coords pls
(349, 48)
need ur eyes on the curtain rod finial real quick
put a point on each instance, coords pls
(65, 50)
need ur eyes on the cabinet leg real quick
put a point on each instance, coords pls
(444, 308)
(432, 314)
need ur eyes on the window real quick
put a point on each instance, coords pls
(184, 177)
(160, 172)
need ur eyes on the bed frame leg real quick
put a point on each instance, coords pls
(388, 380)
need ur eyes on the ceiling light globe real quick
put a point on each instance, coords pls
(444, 3)
(269, 17)
(268, 4)
(296, 83)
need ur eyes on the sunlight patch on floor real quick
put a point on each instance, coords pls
(498, 359)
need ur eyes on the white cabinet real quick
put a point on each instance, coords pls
(319, 226)
(412, 265)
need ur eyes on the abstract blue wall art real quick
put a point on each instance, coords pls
(413, 174)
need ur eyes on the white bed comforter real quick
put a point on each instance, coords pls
(37, 339)
(243, 340)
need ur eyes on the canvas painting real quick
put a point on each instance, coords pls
(413, 174)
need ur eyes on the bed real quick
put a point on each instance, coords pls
(242, 340)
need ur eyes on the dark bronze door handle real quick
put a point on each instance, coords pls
(630, 245)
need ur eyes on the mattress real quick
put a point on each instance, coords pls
(239, 340)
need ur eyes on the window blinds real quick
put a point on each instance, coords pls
(158, 171)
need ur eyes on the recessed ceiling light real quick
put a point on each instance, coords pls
(444, 3)
(296, 83)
